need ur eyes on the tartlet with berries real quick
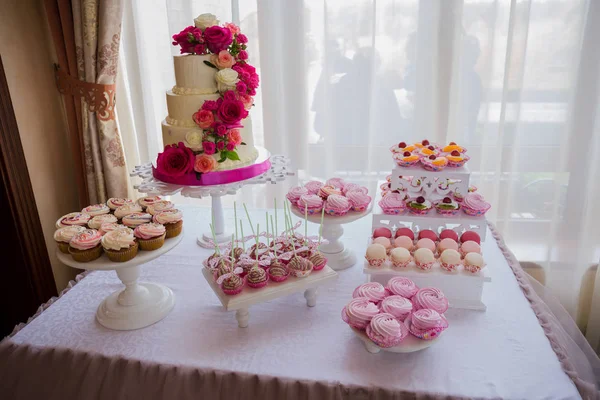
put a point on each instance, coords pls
(452, 146)
(457, 159)
(419, 206)
(434, 163)
(406, 159)
(447, 206)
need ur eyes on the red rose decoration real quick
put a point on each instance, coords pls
(217, 38)
(176, 160)
(231, 112)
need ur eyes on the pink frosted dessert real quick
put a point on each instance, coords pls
(97, 221)
(115, 202)
(328, 190)
(135, 219)
(127, 209)
(257, 277)
(96, 209)
(432, 298)
(374, 291)
(358, 199)
(232, 284)
(386, 331)
(159, 206)
(72, 219)
(312, 203)
(426, 244)
(426, 324)
(475, 205)
(404, 242)
(108, 227)
(359, 312)
(352, 187)
(336, 182)
(400, 307)
(392, 204)
(446, 244)
(85, 240)
(337, 205)
(424, 258)
(402, 286)
(469, 247)
(294, 194)
(318, 260)
(450, 260)
(313, 187)
(149, 231)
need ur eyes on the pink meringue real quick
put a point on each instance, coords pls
(359, 312)
(353, 187)
(313, 187)
(386, 331)
(393, 203)
(358, 199)
(312, 202)
(426, 324)
(336, 204)
(336, 182)
(474, 204)
(400, 307)
(294, 193)
(374, 291)
(402, 286)
(432, 298)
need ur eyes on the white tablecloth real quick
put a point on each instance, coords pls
(502, 352)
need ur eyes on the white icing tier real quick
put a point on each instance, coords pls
(247, 153)
(192, 76)
(181, 108)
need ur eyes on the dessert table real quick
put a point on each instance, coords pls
(289, 351)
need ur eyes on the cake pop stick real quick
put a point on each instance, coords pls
(212, 230)
(256, 239)
(274, 238)
(275, 206)
(249, 220)
(235, 222)
(306, 224)
(267, 221)
(243, 239)
(232, 237)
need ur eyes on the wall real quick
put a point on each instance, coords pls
(27, 54)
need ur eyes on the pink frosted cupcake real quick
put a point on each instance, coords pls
(97, 221)
(115, 202)
(257, 277)
(73, 219)
(86, 246)
(109, 227)
(359, 312)
(392, 204)
(151, 236)
(135, 219)
(336, 182)
(313, 187)
(337, 205)
(426, 324)
(359, 200)
(312, 203)
(318, 260)
(374, 291)
(294, 194)
(475, 205)
(402, 286)
(127, 209)
(400, 307)
(351, 187)
(159, 206)
(96, 209)
(63, 236)
(386, 331)
(432, 298)
(148, 200)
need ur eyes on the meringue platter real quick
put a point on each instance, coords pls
(249, 296)
(409, 345)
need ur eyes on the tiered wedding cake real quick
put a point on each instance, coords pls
(208, 128)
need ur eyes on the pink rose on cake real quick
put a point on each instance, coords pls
(209, 147)
(222, 60)
(247, 100)
(217, 38)
(233, 28)
(234, 136)
(204, 163)
(210, 105)
(231, 112)
(243, 55)
(175, 160)
(241, 38)
(203, 118)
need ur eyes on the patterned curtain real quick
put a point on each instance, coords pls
(97, 28)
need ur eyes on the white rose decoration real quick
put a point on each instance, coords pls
(226, 79)
(204, 21)
(194, 139)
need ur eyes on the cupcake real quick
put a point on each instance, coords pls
(434, 163)
(449, 234)
(402, 286)
(382, 232)
(172, 220)
(108, 227)
(475, 205)
(419, 206)
(428, 234)
(425, 244)
(474, 262)
(311, 202)
(446, 244)
(300, 267)
(400, 257)
(257, 278)
(432, 298)
(469, 247)
(159, 206)
(135, 219)
(336, 182)
(450, 260)
(406, 159)
(293, 195)
(327, 190)
(376, 255)
(400, 307)
(313, 187)
(457, 159)
(426, 324)
(115, 202)
(278, 272)
(148, 200)
(120, 245)
(63, 236)
(385, 242)
(470, 235)
(318, 260)
(405, 232)
(424, 258)
(337, 205)
(359, 200)
(127, 209)
(374, 291)
(392, 204)
(96, 209)
(353, 187)
(97, 221)
(232, 285)
(71, 219)
(404, 242)
(359, 312)
(151, 236)
(85, 246)
(386, 331)
(447, 206)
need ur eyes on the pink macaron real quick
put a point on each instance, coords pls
(470, 235)
(449, 234)
(382, 232)
(428, 234)
(405, 232)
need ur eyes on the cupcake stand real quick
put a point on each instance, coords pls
(139, 304)
(339, 256)
(277, 170)
(462, 288)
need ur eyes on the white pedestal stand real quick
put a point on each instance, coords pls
(138, 304)
(338, 256)
(278, 172)
(410, 344)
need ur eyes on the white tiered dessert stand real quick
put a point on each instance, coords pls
(139, 304)
(338, 255)
(278, 172)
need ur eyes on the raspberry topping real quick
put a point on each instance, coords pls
(420, 199)
(425, 142)
(401, 145)
(447, 200)
(406, 154)
(432, 157)
(455, 153)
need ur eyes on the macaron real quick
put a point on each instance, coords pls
(428, 234)
(405, 232)
(400, 256)
(449, 234)
(426, 243)
(424, 258)
(404, 242)
(385, 242)
(446, 244)
(376, 254)
(470, 247)
(382, 232)
(474, 262)
(470, 235)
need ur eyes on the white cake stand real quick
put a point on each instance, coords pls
(410, 344)
(278, 172)
(338, 256)
(139, 304)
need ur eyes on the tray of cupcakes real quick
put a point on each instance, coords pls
(118, 229)
(430, 156)
(397, 317)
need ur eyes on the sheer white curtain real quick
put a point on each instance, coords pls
(341, 81)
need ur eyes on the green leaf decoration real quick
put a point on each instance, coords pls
(210, 64)
(223, 156)
(244, 143)
(232, 155)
